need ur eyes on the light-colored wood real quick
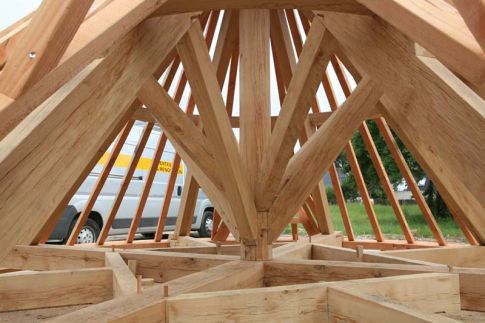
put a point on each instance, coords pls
(30, 290)
(124, 281)
(432, 292)
(429, 84)
(149, 306)
(313, 60)
(313, 159)
(96, 35)
(346, 305)
(459, 256)
(254, 98)
(439, 28)
(53, 123)
(326, 252)
(42, 44)
(303, 303)
(207, 94)
(286, 272)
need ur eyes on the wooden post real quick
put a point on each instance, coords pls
(263, 248)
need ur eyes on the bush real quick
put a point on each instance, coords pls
(331, 195)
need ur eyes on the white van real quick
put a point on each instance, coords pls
(202, 220)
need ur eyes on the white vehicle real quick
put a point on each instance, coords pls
(202, 220)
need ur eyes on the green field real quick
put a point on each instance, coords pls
(389, 225)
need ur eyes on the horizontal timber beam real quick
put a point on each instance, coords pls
(21, 291)
(178, 6)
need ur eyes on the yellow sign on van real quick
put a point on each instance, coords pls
(144, 163)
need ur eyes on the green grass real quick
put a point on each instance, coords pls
(388, 223)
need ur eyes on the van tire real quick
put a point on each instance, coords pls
(90, 232)
(205, 230)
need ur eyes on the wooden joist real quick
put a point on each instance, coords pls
(30, 290)
(93, 38)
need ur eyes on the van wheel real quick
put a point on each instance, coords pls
(89, 233)
(206, 225)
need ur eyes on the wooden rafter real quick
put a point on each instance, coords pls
(206, 91)
(447, 99)
(313, 159)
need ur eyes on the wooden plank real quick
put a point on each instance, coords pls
(457, 110)
(286, 272)
(177, 6)
(301, 90)
(305, 303)
(177, 159)
(293, 250)
(471, 288)
(94, 37)
(166, 266)
(313, 159)
(439, 28)
(461, 256)
(42, 44)
(150, 307)
(194, 148)
(52, 258)
(326, 252)
(473, 13)
(321, 208)
(431, 292)
(135, 158)
(254, 87)
(352, 158)
(207, 94)
(347, 305)
(388, 244)
(124, 281)
(30, 290)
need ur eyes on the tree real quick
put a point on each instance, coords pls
(371, 178)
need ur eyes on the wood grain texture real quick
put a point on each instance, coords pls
(309, 164)
(20, 291)
(450, 105)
